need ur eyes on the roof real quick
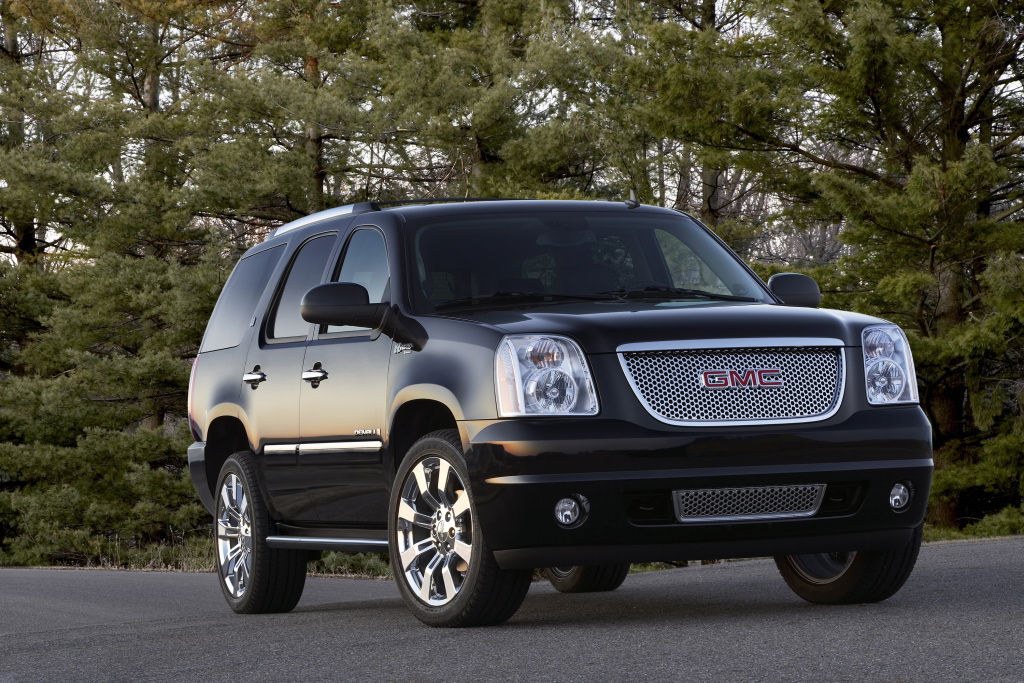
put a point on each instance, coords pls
(456, 207)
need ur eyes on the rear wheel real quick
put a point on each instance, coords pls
(850, 577)
(593, 579)
(255, 578)
(443, 568)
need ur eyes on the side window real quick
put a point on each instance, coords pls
(237, 303)
(304, 274)
(365, 263)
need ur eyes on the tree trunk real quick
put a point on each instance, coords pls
(948, 397)
(711, 195)
(153, 421)
(27, 247)
(661, 171)
(685, 169)
(315, 144)
(151, 79)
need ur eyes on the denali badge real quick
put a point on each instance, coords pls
(730, 379)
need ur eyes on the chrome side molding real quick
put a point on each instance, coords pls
(341, 446)
(371, 545)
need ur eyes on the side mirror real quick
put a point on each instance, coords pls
(341, 303)
(795, 289)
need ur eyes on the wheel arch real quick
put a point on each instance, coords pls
(411, 420)
(224, 436)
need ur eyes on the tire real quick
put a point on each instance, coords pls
(444, 570)
(849, 578)
(595, 579)
(255, 578)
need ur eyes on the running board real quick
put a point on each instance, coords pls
(348, 545)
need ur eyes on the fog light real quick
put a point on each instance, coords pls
(571, 511)
(567, 511)
(899, 497)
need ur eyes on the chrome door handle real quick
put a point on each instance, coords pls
(317, 375)
(254, 378)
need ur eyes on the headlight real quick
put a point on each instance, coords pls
(543, 375)
(888, 366)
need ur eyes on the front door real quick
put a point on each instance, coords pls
(342, 403)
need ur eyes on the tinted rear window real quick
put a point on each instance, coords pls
(237, 303)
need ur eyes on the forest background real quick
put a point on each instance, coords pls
(877, 145)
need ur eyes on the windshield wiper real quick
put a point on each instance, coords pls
(525, 297)
(664, 292)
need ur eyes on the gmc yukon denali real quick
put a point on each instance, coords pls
(482, 389)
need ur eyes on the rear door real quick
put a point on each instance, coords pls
(273, 377)
(343, 415)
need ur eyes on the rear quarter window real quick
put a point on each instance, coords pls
(237, 303)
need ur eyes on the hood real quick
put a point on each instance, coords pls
(603, 326)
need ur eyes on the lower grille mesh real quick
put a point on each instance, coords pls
(738, 504)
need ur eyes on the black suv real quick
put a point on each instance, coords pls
(481, 389)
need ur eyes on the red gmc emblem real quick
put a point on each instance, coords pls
(730, 379)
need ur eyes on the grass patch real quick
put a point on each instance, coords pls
(198, 555)
(1007, 522)
(355, 566)
(190, 554)
(645, 567)
(194, 554)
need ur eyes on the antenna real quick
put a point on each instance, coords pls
(632, 203)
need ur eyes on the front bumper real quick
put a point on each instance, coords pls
(519, 469)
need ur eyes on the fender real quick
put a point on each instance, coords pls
(197, 461)
(254, 440)
(430, 392)
(222, 410)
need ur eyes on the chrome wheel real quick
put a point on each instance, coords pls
(234, 536)
(821, 568)
(434, 531)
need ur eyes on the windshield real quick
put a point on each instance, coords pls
(510, 259)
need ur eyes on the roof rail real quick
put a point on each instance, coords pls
(347, 210)
(364, 207)
(439, 200)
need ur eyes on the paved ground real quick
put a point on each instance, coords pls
(959, 618)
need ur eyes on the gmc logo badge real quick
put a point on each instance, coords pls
(732, 379)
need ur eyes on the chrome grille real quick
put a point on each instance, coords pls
(739, 504)
(668, 383)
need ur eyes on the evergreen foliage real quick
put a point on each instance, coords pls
(875, 144)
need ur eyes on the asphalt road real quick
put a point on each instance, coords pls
(959, 618)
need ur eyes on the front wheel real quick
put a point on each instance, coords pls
(844, 578)
(255, 578)
(594, 579)
(443, 568)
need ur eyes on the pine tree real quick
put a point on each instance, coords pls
(902, 121)
(93, 406)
